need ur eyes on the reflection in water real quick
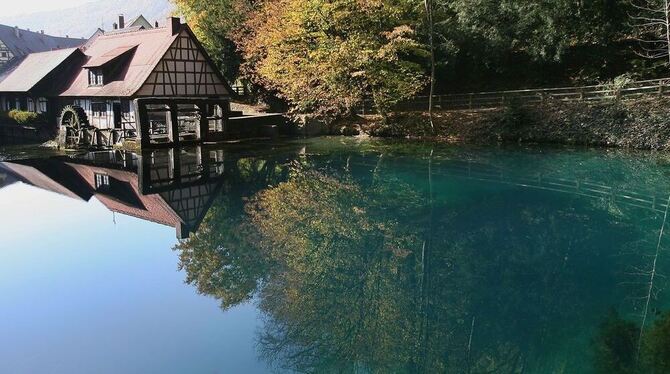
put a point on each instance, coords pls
(377, 257)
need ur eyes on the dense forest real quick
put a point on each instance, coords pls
(325, 56)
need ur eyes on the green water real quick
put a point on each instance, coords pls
(336, 255)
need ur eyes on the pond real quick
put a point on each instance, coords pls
(335, 255)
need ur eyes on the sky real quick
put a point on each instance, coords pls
(12, 7)
(106, 297)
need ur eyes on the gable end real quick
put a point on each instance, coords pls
(184, 71)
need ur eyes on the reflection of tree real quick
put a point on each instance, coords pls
(616, 347)
(220, 259)
(364, 273)
(341, 298)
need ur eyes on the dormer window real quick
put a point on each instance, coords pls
(106, 68)
(101, 181)
(95, 77)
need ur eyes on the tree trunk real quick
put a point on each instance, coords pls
(429, 18)
(667, 29)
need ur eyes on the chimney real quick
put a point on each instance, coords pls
(174, 25)
(115, 26)
(16, 32)
(156, 24)
(42, 32)
(122, 21)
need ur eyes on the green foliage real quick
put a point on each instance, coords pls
(23, 117)
(488, 45)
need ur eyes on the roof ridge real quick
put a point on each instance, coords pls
(52, 51)
(67, 37)
(121, 33)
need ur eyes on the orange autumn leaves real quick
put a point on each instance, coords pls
(326, 57)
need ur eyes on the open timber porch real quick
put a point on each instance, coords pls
(175, 121)
(171, 122)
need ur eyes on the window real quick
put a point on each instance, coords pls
(101, 181)
(98, 109)
(17, 103)
(31, 105)
(3, 54)
(95, 77)
(41, 105)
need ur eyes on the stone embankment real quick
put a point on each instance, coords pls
(635, 124)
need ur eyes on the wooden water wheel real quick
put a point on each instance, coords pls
(74, 126)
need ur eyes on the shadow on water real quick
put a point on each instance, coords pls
(383, 257)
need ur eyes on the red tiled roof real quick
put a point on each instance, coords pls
(32, 69)
(151, 45)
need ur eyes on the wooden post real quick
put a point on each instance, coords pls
(174, 164)
(142, 123)
(203, 127)
(661, 89)
(174, 124)
(144, 172)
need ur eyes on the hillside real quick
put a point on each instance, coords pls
(83, 20)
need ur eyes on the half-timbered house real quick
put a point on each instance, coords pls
(157, 86)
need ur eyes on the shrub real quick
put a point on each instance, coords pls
(22, 117)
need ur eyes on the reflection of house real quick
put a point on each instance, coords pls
(158, 77)
(112, 178)
(16, 43)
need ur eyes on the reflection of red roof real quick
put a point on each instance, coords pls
(153, 208)
(151, 46)
(35, 177)
(108, 56)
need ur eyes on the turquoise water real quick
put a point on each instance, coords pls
(335, 255)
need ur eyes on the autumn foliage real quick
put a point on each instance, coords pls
(329, 56)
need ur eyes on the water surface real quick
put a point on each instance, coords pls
(334, 255)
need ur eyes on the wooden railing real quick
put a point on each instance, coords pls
(497, 99)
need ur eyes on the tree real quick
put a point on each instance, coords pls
(652, 24)
(428, 4)
(213, 22)
(328, 56)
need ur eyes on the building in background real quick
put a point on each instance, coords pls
(16, 43)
